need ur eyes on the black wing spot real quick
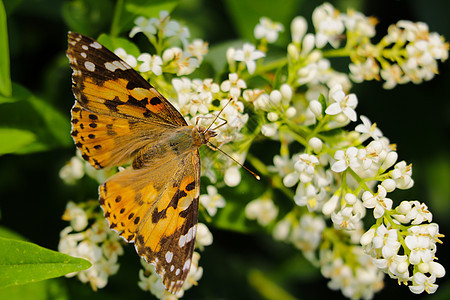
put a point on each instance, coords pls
(155, 101)
(190, 186)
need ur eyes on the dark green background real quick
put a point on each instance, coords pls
(33, 198)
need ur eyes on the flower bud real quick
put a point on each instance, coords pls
(350, 198)
(293, 52)
(367, 237)
(390, 160)
(308, 43)
(286, 91)
(272, 116)
(315, 144)
(275, 97)
(389, 185)
(316, 108)
(329, 206)
(290, 112)
(404, 207)
(298, 29)
(232, 176)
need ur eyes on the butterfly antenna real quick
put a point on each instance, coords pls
(218, 116)
(215, 148)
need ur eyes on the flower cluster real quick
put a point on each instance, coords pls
(165, 35)
(335, 165)
(96, 243)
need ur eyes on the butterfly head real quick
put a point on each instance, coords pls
(205, 134)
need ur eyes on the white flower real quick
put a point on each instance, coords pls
(423, 283)
(328, 24)
(345, 218)
(418, 213)
(248, 54)
(387, 240)
(392, 74)
(402, 175)
(232, 176)
(344, 159)
(143, 25)
(233, 85)
(420, 247)
(76, 215)
(307, 235)
(150, 63)
(377, 201)
(310, 196)
(305, 167)
(267, 29)
(368, 129)
(263, 210)
(369, 70)
(343, 103)
(204, 237)
(195, 272)
(184, 62)
(198, 48)
(72, 171)
(128, 58)
(212, 200)
(359, 24)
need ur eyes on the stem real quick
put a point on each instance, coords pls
(114, 32)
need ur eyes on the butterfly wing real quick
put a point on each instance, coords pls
(105, 84)
(117, 111)
(156, 208)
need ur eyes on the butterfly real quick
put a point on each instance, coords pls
(119, 117)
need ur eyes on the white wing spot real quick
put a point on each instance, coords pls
(172, 267)
(189, 235)
(187, 265)
(83, 54)
(90, 66)
(96, 45)
(169, 256)
(177, 272)
(85, 47)
(182, 241)
(110, 66)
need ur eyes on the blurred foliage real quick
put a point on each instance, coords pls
(35, 141)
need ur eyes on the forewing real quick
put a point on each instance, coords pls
(156, 208)
(117, 112)
(104, 84)
(105, 141)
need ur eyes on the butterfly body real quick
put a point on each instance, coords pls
(119, 117)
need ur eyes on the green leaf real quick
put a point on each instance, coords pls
(5, 77)
(246, 15)
(43, 290)
(12, 140)
(323, 101)
(112, 43)
(89, 17)
(34, 115)
(24, 262)
(18, 93)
